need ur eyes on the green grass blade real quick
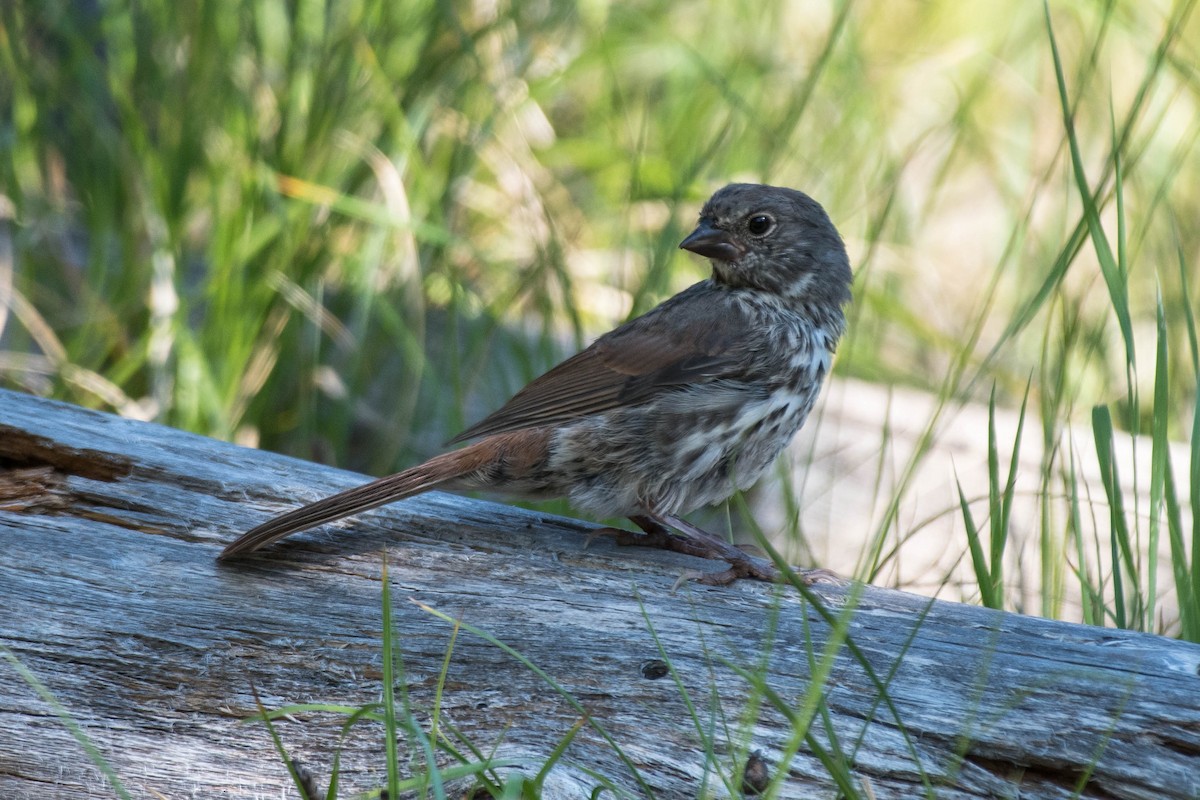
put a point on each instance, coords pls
(1187, 588)
(1113, 278)
(1195, 503)
(68, 722)
(390, 726)
(293, 768)
(549, 681)
(1092, 594)
(983, 574)
(1160, 459)
(1194, 492)
(996, 518)
(1122, 551)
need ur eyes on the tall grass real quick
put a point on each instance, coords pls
(344, 230)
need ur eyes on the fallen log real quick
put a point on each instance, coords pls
(113, 601)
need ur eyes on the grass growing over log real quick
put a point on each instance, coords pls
(436, 755)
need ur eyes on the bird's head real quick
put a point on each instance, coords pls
(774, 239)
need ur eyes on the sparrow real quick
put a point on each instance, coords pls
(674, 410)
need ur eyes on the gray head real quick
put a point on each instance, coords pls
(776, 239)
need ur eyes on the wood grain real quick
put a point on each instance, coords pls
(112, 598)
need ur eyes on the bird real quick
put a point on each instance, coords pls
(674, 410)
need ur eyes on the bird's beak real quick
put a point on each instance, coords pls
(712, 243)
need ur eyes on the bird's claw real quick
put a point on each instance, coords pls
(811, 577)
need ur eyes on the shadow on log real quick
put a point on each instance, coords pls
(113, 600)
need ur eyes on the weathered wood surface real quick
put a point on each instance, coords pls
(111, 596)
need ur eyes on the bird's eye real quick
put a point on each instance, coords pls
(759, 224)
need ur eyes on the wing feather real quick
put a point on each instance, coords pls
(694, 338)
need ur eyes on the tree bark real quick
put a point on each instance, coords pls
(113, 600)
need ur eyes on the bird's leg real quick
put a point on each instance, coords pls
(697, 541)
(694, 541)
(657, 533)
(670, 532)
(744, 565)
(741, 564)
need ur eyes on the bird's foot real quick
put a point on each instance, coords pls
(754, 571)
(695, 541)
(812, 577)
(763, 571)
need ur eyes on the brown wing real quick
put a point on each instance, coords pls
(692, 338)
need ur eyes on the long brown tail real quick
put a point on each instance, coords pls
(415, 480)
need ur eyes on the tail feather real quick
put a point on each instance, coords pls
(415, 480)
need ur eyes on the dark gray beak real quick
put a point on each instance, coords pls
(712, 242)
